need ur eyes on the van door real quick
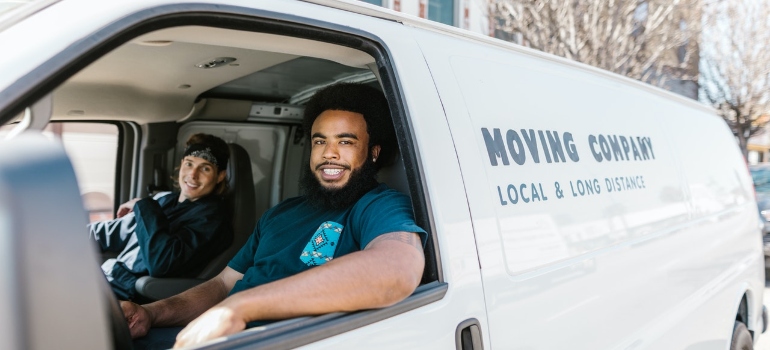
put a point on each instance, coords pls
(579, 209)
(449, 307)
(50, 273)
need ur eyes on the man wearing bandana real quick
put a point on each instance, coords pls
(176, 234)
(349, 243)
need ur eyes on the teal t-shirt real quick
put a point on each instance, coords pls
(294, 236)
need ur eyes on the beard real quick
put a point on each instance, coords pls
(361, 180)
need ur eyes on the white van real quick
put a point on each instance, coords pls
(567, 207)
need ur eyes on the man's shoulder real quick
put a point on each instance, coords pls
(165, 195)
(383, 195)
(379, 194)
(384, 191)
(286, 205)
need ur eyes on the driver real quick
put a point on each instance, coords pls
(349, 243)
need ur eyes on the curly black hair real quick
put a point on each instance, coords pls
(357, 98)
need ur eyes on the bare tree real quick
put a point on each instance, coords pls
(652, 41)
(735, 66)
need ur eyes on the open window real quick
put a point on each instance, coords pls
(93, 149)
(245, 78)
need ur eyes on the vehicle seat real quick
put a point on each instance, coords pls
(394, 176)
(241, 202)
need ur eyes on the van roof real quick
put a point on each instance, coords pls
(367, 9)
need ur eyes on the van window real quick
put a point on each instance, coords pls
(92, 148)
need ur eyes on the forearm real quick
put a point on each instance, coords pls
(361, 280)
(180, 309)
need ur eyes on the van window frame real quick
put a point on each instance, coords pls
(118, 169)
(294, 332)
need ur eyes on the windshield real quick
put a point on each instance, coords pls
(761, 177)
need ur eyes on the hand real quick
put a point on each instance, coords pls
(218, 321)
(138, 319)
(127, 207)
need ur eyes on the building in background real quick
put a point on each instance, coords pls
(759, 148)
(759, 144)
(676, 67)
(465, 14)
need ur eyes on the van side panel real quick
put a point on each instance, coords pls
(724, 219)
(587, 231)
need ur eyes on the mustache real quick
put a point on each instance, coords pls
(346, 167)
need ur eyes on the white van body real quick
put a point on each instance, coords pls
(568, 207)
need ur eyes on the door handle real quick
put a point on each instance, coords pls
(468, 335)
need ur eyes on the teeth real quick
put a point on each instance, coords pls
(332, 171)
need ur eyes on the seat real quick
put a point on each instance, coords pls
(241, 202)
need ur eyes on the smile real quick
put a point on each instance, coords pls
(190, 185)
(332, 171)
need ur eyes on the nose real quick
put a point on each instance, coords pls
(330, 151)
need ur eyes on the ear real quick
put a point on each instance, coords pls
(222, 176)
(376, 151)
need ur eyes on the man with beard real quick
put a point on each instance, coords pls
(348, 244)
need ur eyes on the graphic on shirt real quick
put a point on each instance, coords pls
(322, 244)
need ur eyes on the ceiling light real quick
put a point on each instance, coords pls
(216, 62)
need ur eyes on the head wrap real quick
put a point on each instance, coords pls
(206, 153)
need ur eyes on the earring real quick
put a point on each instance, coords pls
(374, 159)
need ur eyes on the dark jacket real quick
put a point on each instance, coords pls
(163, 238)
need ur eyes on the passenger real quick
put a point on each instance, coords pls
(177, 234)
(349, 243)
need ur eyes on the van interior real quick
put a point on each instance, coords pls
(245, 80)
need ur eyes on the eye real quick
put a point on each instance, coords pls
(207, 169)
(345, 142)
(318, 142)
(188, 164)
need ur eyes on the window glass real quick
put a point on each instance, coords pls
(92, 149)
(441, 11)
(374, 2)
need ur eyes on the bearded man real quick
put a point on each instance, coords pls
(348, 244)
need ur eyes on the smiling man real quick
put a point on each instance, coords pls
(348, 244)
(176, 234)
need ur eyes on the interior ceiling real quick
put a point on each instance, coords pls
(154, 77)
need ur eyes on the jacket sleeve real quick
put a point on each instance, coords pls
(112, 235)
(166, 252)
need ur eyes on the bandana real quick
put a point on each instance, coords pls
(204, 152)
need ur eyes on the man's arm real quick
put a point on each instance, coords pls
(384, 273)
(126, 207)
(113, 235)
(181, 308)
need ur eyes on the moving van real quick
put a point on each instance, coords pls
(567, 207)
